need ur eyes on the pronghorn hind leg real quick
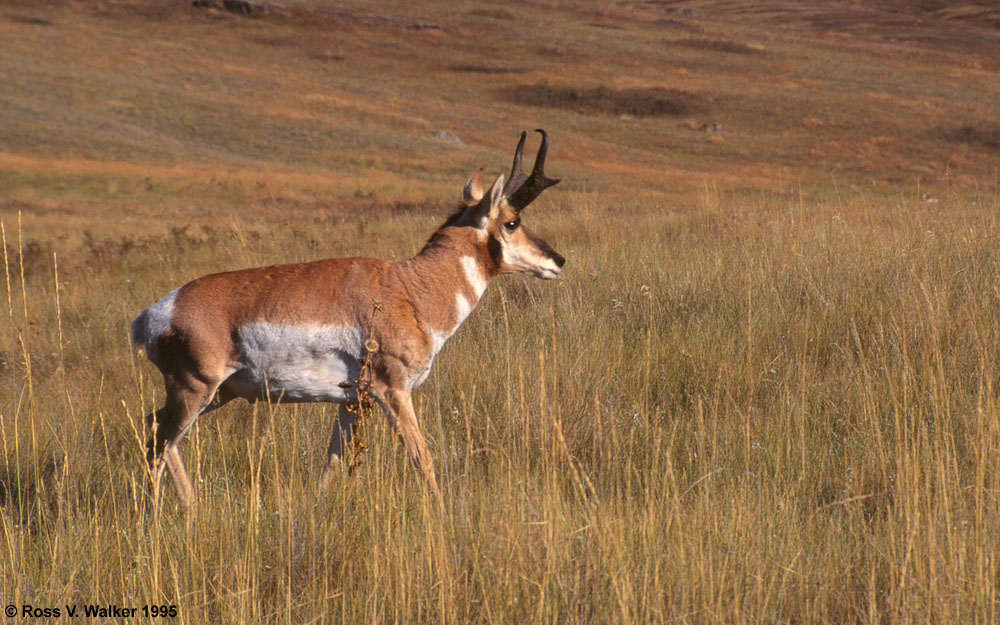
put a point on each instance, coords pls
(339, 441)
(176, 465)
(183, 406)
(155, 445)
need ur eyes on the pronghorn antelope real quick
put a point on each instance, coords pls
(300, 333)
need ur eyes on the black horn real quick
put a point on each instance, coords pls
(522, 189)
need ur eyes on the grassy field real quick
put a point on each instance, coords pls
(763, 391)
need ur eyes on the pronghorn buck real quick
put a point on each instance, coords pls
(303, 333)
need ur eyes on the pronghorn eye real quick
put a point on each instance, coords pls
(511, 226)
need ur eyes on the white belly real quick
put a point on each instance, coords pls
(297, 363)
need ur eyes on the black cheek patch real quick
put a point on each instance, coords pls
(495, 250)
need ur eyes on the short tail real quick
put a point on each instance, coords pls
(140, 329)
(153, 323)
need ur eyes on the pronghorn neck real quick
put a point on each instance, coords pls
(449, 276)
(466, 246)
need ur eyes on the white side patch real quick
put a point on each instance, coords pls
(297, 363)
(474, 275)
(437, 341)
(463, 308)
(153, 323)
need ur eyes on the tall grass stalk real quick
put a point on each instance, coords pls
(757, 409)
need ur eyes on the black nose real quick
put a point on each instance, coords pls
(559, 260)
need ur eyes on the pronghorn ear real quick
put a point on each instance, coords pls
(496, 196)
(473, 191)
(479, 213)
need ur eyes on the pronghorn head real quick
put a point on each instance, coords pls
(497, 214)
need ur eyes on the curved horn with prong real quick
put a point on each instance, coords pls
(522, 189)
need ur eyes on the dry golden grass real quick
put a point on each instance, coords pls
(762, 392)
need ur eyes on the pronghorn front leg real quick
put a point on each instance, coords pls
(400, 407)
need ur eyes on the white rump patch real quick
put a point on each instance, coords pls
(153, 323)
(297, 363)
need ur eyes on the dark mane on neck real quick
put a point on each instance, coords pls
(454, 217)
(438, 237)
